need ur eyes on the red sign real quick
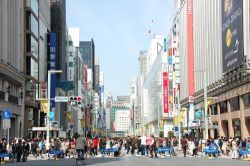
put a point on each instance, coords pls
(190, 47)
(165, 92)
(43, 90)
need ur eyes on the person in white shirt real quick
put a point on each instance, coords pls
(143, 144)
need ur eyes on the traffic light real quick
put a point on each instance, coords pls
(75, 100)
(79, 100)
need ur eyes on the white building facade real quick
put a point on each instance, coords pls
(122, 120)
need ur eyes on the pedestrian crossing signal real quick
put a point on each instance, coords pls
(75, 100)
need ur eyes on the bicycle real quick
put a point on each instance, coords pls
(79, 156)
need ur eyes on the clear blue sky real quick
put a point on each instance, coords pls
(120, 30)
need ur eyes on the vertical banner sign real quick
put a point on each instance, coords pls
(165, 45)
(52, 66)
(165, 92)
(232, 34)
(190, 47)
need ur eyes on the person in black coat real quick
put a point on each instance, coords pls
(26, 149)
(19, 150)
(13, 147)
(3, 148)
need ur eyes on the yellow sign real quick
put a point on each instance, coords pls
(82, 123)
(182, 116)
(175, 120)
(44, 106)
(161, 123)
(68, 115)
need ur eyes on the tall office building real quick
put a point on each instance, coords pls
(87, 50)
(37, 25)
(12, 76)
(218, 61)
(58, 26)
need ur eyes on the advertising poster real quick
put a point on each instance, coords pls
(165, 92)
(232, 34)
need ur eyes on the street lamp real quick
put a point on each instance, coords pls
(48, 111)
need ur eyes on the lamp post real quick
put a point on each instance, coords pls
(48, 100)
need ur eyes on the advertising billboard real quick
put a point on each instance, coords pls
(232, 34)
(165, 92)
(190, 47)
(52, 65)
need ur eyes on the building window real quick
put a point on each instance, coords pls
(32, 67)
(214, 109)
(32, 45)
(34, 6)
(235, 104)
(223, 107)
(246, 100)
(31, 23)
(236, 127)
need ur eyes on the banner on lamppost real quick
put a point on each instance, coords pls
(165, 92)
(232, 34)
(44, 106)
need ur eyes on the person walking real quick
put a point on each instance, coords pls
(234, 148)
(148, 143)
(19, 150)
(143, 144)
(34, 148)
(153, 147)
(95, 145)
(184, 145)
(80, 145)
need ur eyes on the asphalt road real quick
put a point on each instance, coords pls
(137, 161)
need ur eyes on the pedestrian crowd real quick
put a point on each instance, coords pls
(143, 145)
(230, 146)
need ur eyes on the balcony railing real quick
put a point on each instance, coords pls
(13, 99)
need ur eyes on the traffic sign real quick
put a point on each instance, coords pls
(6, 123)
(51, 115)
(61, 99)
(6, 114)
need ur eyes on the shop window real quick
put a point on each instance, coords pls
(223, 107)
(235, 104)
(236, 127)
(246, 100)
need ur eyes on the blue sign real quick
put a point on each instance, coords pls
(170, 60)
(51, 115)
(175, 128)
(6, 114)
(199, 114)
(165, 45)
(52, 65)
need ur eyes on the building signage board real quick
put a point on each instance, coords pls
(6, 114)
(165, 45)
(190, 47)
(43, 90)
(52, 65)
(61, 98)
(6, 123)
(232, 34)
(165, 92)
